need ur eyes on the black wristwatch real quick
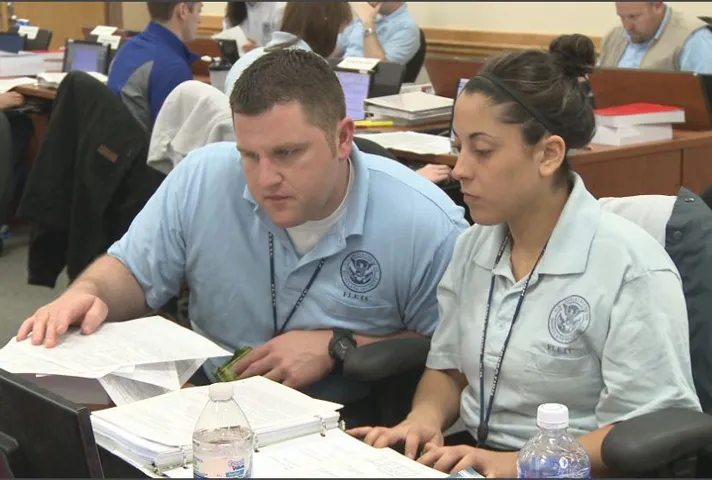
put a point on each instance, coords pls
(340, 345)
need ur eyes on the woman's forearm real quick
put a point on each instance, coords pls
(437, 398)
(592, 443)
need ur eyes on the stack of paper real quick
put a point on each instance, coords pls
(20, 64)
(415, 142)
(123, 361)
(10, 83)
(52, 80)
(410, 108)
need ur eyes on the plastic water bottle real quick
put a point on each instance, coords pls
(553, 452)
(223, 441)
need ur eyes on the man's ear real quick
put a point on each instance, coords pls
(345, 138)
(550, 154)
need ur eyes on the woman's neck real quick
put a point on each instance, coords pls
(532, 229)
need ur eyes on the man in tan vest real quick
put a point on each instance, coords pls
(653, 36)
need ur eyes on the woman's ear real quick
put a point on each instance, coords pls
(551, 153)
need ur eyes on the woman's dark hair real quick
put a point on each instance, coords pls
(541, 92)
(317, 23)
(235, 13)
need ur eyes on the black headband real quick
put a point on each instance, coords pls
(517, 98)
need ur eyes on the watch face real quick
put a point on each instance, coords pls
(341, 348)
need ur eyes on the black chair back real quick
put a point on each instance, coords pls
(40, 42)
(412, 68)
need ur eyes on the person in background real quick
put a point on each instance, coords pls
(258, 20)
(383, 30)
(548, 298)
(653, 36)
(147, 69)
(296, 206)
(587, 56)
(311, 26)
(16, 131)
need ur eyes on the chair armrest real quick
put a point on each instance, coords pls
(654, 440)
(386, 358)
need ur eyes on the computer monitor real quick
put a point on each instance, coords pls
(387, 79)
(460, 87)
(43, 435)
(11, 42)
(86, 57)
(356, 86)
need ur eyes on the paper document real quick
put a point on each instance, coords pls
(103, 30)
(235, 33)
(123, 391)
(415, 142)
(170, 418)
(358, 63)
(134, 342)
(112, 40)
(10, 83)
(29, 31)
(336, 455)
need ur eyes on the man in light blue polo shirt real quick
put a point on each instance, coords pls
(383, 30)
(654, 36)
(351, 246)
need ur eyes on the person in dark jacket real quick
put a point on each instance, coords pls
(89, 181)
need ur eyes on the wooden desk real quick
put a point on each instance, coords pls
(644, 169)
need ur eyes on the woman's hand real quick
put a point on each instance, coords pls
(455, 459)
(435, 173)
(414, 431)
(11, 100)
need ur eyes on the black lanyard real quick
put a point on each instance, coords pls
(274, 289)
(483, 428)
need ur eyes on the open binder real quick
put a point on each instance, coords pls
(292, 430)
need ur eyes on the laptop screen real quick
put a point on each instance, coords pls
(11, 42)
(460, 87)
(86, 57)
(355, 86)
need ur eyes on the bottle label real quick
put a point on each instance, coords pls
(222, 468)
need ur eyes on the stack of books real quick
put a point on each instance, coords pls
(636, 123)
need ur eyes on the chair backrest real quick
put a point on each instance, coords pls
(688, 242)
(707, 196)
(412, 68)
(369, 146)
(40, 42)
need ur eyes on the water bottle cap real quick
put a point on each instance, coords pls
(221, 392)
(552, 416)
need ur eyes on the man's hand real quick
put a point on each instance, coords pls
(455, 459)
(367, 13)
(297, 359)
(435, 173)
(11, 100)
(51, 321)
(415, 431)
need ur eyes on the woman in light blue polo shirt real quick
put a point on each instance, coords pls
(548, 298)
(312, 26)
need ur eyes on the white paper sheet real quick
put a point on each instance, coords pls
(103, 30)
(123, 391)
(136, 342)
(8, 84)
(235, 33)
(111, 40)
(163, 374)
(360, 64)
(421, 143)
(29, 31)
(336, 455)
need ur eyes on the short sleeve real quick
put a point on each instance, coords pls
(421, 312)
(154, 248)
(445, 344)
(401, 45)
(696, 55)
(645, 361)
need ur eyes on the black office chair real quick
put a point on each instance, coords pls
(412, 68)
(707, 196)
(369, 146)
(40, 42)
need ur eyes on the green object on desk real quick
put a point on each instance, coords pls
(226, 373)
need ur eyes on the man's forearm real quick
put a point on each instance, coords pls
(362, 340)
(110, 280)
(372, 47)
(438, 397)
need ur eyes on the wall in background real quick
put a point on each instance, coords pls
(590, 18)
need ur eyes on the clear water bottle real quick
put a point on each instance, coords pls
(553, 452)
(223, 441)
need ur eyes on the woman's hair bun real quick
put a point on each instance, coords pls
(575, 54)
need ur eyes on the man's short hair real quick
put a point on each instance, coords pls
(163, 11)
(286, 75)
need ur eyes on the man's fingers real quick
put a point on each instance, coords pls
(412, 442)
(275, 374)
(51, 332)
(25, 328)
(64, 320)
(245, 362)
(94, 317)
(38, 328)
(261, 367)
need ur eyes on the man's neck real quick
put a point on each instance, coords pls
(339, 193)
(173, 27)
(532, 229)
